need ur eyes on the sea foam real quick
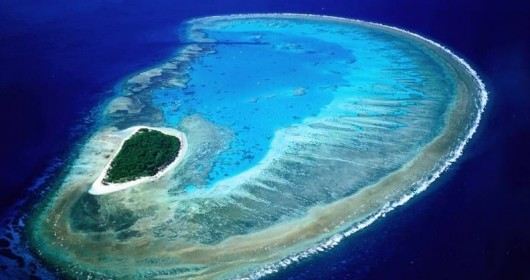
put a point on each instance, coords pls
(389, 206)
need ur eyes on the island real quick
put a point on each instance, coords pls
(147, 154)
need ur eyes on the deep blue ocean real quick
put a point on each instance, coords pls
(60, 60)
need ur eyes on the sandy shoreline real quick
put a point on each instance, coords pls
(98, 188)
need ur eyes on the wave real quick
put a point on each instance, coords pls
(389, 206)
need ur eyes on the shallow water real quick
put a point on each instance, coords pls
(299, 127)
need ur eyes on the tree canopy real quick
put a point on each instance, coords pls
(144, 154)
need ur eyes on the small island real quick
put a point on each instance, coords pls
(145, 155)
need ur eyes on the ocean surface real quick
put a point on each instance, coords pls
(60, 62)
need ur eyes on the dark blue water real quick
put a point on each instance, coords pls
(59, 60)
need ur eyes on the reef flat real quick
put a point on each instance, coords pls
(301, 130)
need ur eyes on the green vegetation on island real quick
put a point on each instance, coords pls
(144, 154)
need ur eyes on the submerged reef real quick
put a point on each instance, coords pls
(300, 131)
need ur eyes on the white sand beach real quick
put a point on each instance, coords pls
(98, 188)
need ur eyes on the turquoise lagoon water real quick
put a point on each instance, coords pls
(259, 81)
(301, 130)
